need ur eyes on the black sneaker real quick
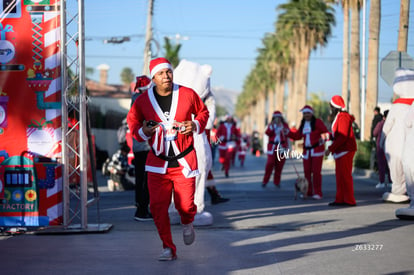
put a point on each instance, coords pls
(143, 217)
(218, 200)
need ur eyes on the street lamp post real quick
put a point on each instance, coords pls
(148, 38)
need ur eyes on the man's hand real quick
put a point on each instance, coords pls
(187, 127)
(147, 129)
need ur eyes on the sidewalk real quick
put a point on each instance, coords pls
(259, 231)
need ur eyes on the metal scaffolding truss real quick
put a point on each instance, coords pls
(75, 139)
(77, 158)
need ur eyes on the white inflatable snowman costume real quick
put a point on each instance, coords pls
(395, 134)
(408, 160)
(197, 77)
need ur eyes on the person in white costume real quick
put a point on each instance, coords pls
(408, 161)
(394, 130)
(197, 77)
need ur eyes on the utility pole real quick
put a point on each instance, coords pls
(148, 38)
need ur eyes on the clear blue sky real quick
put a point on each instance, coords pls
(223, 33)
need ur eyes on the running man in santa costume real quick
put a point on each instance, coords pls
(313, 132)
(278, 144)
(166, 116)
(394, 131)
(228, 136)
(343, 148)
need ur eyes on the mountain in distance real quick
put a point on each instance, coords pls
(226, 98)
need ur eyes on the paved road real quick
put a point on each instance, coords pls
(260, 231)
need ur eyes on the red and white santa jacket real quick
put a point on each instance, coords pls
(227, 135)
(277, 138)
(342, 135)
(185, 104)
(313, 142)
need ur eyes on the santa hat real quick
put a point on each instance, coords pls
(338, 102)
(306, 109)
(158, 64)
(277, 114)
(142, 83)
(403, 82)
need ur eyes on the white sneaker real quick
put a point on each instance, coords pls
(111, 185)
(167, 255)
(188, 233)
(202, 219)
(380, 185)
(390, 197)
(316, 197)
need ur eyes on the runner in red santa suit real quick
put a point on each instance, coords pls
(163, 116)
(243, 148)
(313, 132)
(277, 146)
(343, 148)
(228, 136)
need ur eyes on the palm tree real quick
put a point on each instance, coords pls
(372, 69)
(309, 23)
(172, 52)
(403, 30)
(127, 76)
(355, 64)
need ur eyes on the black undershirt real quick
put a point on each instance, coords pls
(165, 105)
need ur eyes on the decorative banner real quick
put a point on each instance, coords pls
(30, 112)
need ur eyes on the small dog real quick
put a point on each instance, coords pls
(301, 186)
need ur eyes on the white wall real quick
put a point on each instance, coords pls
(106, 139)
(111, 104)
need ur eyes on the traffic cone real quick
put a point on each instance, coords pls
(257, 153)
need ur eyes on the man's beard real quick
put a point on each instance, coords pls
(169, 88)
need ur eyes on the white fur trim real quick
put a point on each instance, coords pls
(141, 134)
(155, 169)
(197, 126)
(307, 110)
(336, 106)
(159, 67)
(337, 156)
(145, 87)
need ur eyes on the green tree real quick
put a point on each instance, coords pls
(302, 26)
(89, 71)
(220, 111)
(308, 23)
(320, 107)
(172, 52)
(127, 76)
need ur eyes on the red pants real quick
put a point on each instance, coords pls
(160, 188)
(312, 168)
(226, 158)
(273, 163)
(344, 180)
